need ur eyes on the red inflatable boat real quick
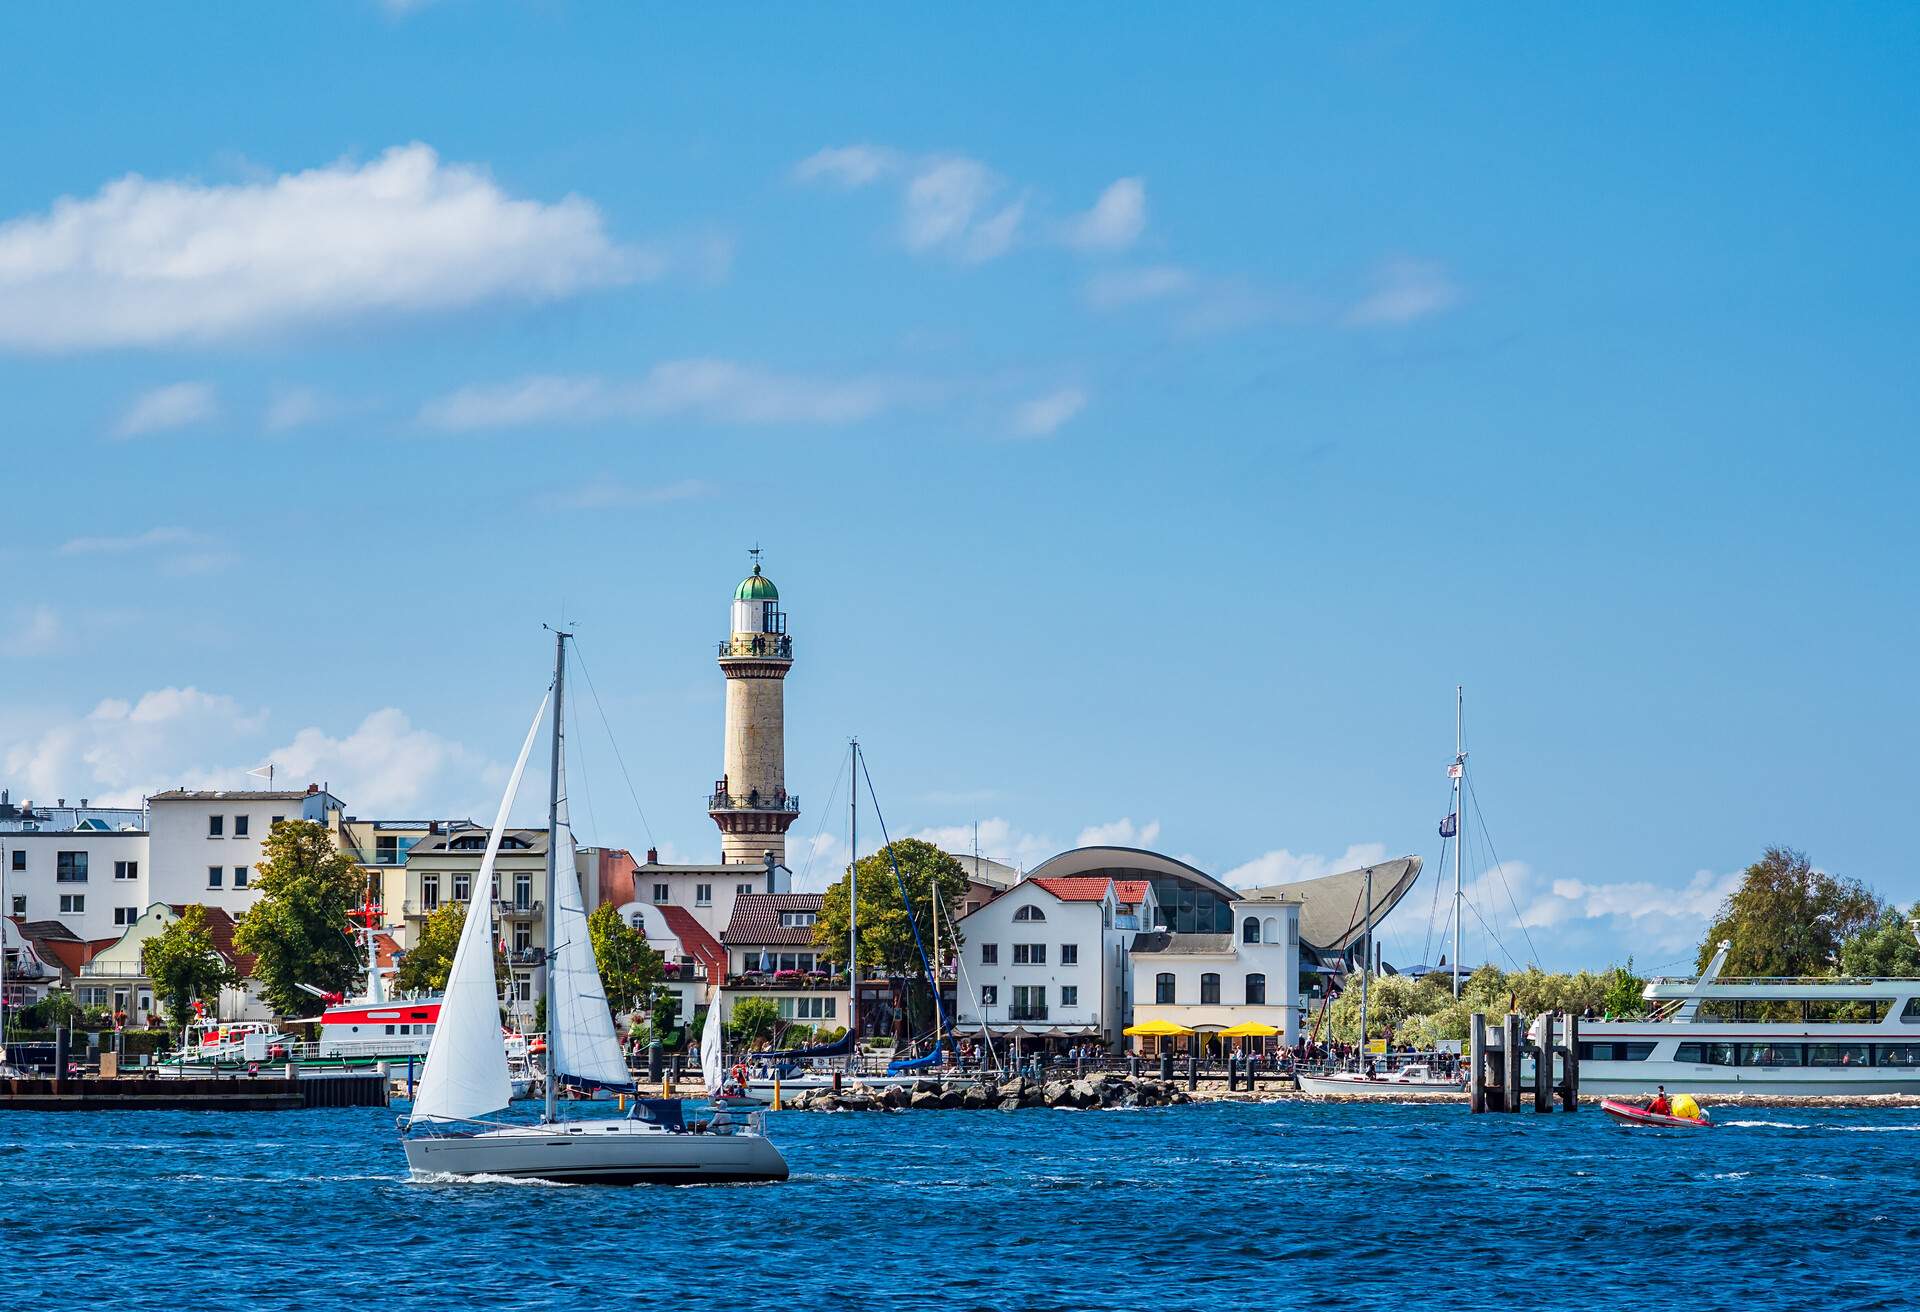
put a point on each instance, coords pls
(1632, 1114)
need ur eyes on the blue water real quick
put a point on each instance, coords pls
(1220, 1206)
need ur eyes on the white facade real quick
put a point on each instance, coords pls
(92, 881)
(1210, 982)
(203, 846)
(114, 978)
(1034, 961)
(706, 892)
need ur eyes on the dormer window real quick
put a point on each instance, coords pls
(1029, 913)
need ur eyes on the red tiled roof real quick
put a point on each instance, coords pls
(756, 920)
(68, 953)
(220, 930)
(1130, 892)
(693, 936)
(1076, 888)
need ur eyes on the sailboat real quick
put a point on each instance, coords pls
(449, 1133)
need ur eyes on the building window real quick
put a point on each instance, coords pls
(522, 937)
(703, 895)
(430, 892)
(386, 850)
(662, 893)
(126, 870)
(73, 904)
(70, 867)
(1029, 1002)
(796, 919)
(1029, 913)
(523, 892)
(1270, 930)
(1070, 995)
(989, 954)
(743, 888)
(989, 995)
(1029, 954)
(1163, 988)
(1069, 954)
(216, 876)
(276, 820)
(463, 888)
(240, 826)
(523, 988)
(241, 874)
(216, 826)
(125, 915)
(19, 904)
(1209, 989)
(1256, 990)
(19, 859)
(807, 1009)
(1250, 930)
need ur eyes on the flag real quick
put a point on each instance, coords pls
(1454, 770)
(1450, 825)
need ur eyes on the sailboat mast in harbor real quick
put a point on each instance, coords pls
(853, 898)
(553, 863)
(1457, 772)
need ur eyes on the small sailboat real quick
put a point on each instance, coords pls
(466, 1079)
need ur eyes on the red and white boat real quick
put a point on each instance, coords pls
(1628, 1113)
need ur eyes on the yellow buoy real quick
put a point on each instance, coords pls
(1685, 1107)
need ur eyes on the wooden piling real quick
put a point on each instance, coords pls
(1570, 1066)
(1477, 1063)
(1543, 1062)
(1510, 1053)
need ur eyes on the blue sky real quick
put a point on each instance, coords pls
(1149, 420)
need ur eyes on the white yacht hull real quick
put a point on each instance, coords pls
(1641, 1078)
(599, 1152)
(1382, 1087)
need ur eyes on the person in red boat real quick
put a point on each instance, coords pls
(1661, 1105)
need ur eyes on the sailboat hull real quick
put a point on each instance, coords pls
(607, 1152)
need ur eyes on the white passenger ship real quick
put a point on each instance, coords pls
(1788, 1037)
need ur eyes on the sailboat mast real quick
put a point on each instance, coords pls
(1459, 834)
(553, 862)
(853, 898)
(1366, 970)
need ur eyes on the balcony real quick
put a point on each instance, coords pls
(379, 856)
(527, 957)
(1027, 1011)
(764, 646)
(721, 800)
(785, 980)
(517, 910)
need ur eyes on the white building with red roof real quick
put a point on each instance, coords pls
(1049, 960)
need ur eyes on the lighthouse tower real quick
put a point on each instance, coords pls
(750, 802)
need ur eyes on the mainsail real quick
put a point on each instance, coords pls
(581, 1047)
(711, 1059)
(466, 1073)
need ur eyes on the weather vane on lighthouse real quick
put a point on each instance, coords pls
(754, 551)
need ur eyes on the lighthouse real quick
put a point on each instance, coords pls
(750, 802)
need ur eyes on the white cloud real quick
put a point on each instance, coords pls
(167, 535)
(294, 407)
(702, 390)
(999, 841)
(951, 205)
(176, 405)
(1282, 866)
(32, 631)
(146, 262)
(848, 166)
(1119, 833)
(1403, 291)
(1113, 289)
(121, 751)
(1116, 220)
(1042, 416)
(606, 493)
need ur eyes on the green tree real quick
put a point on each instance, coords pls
(753, 1020)
(184, 965)
(886, 932)
(425, 967)
(628, 967)
(298, 929)
(1887, 946)
(53, 1011)
(1623, 990)
(1786, 918)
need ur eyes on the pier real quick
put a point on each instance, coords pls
(252, 1093)
(1497, 1063)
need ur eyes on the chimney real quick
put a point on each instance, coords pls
(83, 803)
(59, 801)
(312, 789)
(653, 856)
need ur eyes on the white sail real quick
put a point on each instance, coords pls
(466, 1073)
(581, 1047)
(712, 1069)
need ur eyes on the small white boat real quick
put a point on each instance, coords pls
(467, 1080)
(1414, 1078)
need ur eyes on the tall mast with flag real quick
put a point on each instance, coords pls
(1450, 828)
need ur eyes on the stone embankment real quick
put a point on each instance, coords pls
(1092, 1092)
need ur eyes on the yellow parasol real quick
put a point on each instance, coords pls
(1156, 1029)
(1249, 1029)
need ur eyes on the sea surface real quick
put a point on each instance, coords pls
(1218, 1206)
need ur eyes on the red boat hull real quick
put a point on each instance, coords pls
(1628, 1114)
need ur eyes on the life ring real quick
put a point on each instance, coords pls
(253, 1068)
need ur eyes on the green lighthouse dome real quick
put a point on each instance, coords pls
(756, 587)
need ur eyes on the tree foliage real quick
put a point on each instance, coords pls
(184, 965)
(1786, 918)
(1423, 1012)
(629, 968)
(425, 967)
(886, 932)
(298, 929)
(753, 1020)
(1887, 946)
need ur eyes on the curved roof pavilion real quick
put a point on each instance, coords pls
(1332, 917)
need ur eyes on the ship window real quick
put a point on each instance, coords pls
(389, 1029)
(1615, 1051)
(1910, 1014)
(1706, 1054)
(1898, 1054)
(1772, 1054)
(1838, 1054)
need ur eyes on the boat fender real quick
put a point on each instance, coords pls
(1685, 1107)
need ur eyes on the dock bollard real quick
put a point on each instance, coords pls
(1193, 1071)
(1166, 1063)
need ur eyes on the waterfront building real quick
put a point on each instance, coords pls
(440, 869)
(1209, 982)
(204, 845)
(706, 892)
(771, 954)
(114, 979)
(16, 817)
(28, 974)
(73, 866)
(1049, 958)
(750, 802)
